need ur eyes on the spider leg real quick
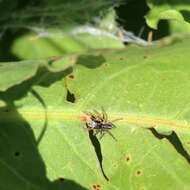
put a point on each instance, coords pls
(97, 114)
(90, 114)
(95, 132)
(102, 134)
(104, 114)
(87, 113)
(116, 119)
(111, 135)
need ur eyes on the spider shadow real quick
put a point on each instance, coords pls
(97, 147)
(174, 140)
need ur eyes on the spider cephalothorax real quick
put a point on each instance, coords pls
(99, 123)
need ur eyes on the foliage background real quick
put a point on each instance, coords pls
(60, 58)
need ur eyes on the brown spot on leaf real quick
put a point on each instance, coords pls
(121, 58)
(138, 172)
(188, 142)
(186, 150)
(145, 56)
(127, 158)
(114, 166)
(71, 76)
(96, 186)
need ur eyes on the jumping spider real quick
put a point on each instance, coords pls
(99, 123)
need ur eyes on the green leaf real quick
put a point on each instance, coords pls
(44, 145)
(28, 70)
(56, 42)
(174, 10)
(32, 46)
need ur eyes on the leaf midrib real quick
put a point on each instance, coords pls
(137, 120)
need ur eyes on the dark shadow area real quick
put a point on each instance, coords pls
(12, 26)
(21, 162)
(186, 15)
(43, 77)
(131, 17)
(16, 92)
(46, 77)
(91, 61)
(175, 141)
(97, 147)
(6, 41)
(39, 98)
(66, 184)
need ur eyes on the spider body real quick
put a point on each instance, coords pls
(99, 123)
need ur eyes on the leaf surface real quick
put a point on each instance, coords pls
(148, 87)
(173, 10)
